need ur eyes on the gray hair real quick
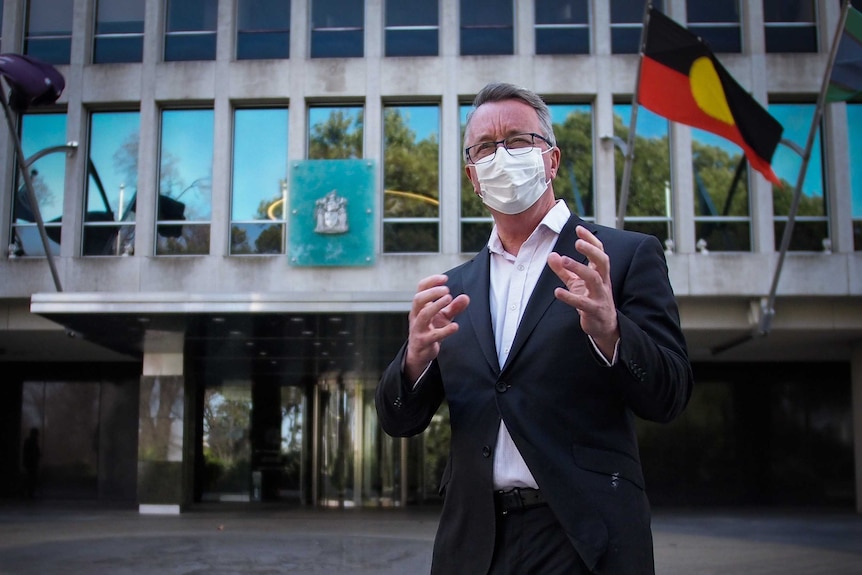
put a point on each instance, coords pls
(499, 91)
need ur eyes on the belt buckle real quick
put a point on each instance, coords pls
(511, 499)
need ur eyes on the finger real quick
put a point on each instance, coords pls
(431, 281)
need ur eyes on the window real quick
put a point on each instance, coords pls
(562, 27)
(335, 133)
(262, 29)
(259, 181)
(717, 23)
(811, 227)
(487, 28)
(573, 129)
(412, 28)
(721, 202)
(476, 222)
(791, 25)
(49, 30)
(648, 204)
(39, 134)
(190, 30)
(411, 179)
(627, 18)
(185, 179)
(119, 34)
(337, 28)
(854, 131)
(112, 184)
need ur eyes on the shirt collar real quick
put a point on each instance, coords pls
(554, 220)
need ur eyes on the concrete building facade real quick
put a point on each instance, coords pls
(179, 357)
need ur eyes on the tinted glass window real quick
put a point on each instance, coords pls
(412, 28)
(717, 23)
(40, 133)
(721, 201)
(562, 27)
(411, 179)
(119, 35)
(811, 226)
(335, 133)
(112, 184)
(475, 219)
(573, 129)
(49, 30)
(190, 29)
(791, 25)
(627, 18)
(486, 27)
(262, 29)
(184, 203)
(259, 181)
(648, 201)
(337, 28)
(854, 131)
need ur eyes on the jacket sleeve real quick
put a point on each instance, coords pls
(652, 371)
(405, 409)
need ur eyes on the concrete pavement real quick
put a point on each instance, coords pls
(222, 539)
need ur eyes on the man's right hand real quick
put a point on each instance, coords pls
(431, 321)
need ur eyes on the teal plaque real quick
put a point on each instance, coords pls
(331, 218)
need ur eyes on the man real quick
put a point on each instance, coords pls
(546, 345)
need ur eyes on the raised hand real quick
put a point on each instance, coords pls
(588, 289)
(431, 320)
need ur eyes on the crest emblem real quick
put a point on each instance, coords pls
(330, 214)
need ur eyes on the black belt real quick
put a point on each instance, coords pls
(518, 499)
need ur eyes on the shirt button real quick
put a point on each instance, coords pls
(513, 307)
(521, 267)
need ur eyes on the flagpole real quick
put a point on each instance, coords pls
(769, 309)
(630, 145)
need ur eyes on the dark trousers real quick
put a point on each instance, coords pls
(532, 542)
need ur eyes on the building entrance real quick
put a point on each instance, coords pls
(318, 444)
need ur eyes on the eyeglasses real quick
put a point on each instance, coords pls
(516, 145)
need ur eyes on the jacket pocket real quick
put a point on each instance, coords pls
(610, 463)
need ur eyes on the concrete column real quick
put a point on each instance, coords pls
(856, 394)
(165, 431)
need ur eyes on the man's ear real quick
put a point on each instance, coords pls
(555, 161)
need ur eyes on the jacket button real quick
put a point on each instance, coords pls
(501, 387)
(486, 451)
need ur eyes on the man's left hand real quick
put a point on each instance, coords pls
(588, 290)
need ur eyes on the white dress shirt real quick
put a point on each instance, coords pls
(513, 279)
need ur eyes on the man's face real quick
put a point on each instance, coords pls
(494, 121)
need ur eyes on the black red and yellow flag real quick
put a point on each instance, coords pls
(683, 81)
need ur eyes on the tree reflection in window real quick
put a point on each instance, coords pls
(411, 176)
(722, 211)
(185, 173)
(648, 204)
(335, 133)
(811, 226)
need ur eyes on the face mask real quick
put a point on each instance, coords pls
(512, 184)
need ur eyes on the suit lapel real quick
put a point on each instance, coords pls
(477, 284)
(543, 294)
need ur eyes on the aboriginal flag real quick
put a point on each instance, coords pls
(683, 81)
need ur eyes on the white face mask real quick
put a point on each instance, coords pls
(512, 184)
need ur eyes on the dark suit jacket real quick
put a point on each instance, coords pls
(571, 416)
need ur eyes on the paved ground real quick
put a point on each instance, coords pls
(89, 539)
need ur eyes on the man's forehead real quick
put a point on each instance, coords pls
(503, 118)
